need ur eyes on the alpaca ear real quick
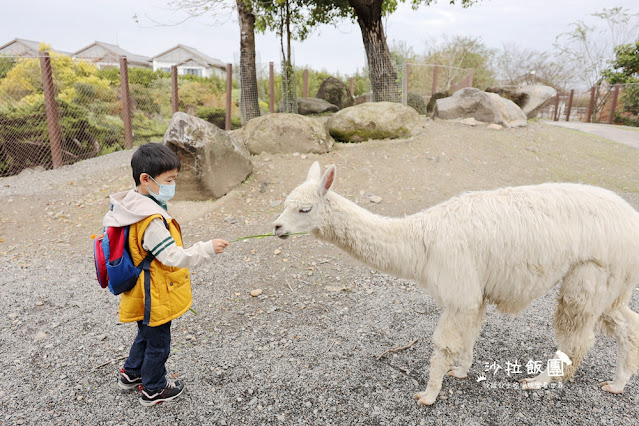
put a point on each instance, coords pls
(327, 180)
(314, 173)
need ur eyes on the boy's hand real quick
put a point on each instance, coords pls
(219, 245)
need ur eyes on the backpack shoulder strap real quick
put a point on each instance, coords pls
(145, 264)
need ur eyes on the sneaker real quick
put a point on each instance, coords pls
(172, 390)
(128, 381)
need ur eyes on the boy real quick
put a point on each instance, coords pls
(153, 303)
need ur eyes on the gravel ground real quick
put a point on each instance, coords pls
(306, 350)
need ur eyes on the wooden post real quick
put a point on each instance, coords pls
(615, 97)
(572, 93)
(306, 83)
(556, 116)
(271, 88)
(591, 105)
(174, 88)
(126, 103)
(229, 89)
(55, 137)
(434, 90)
(352, 86)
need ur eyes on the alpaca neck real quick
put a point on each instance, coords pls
(380, 242)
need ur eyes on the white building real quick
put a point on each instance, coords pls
(24, 48)
(189, 61)
(105, 55)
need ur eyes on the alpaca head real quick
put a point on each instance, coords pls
(305, 206)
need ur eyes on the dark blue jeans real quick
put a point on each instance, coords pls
(149, 353)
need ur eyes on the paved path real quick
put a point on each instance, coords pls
(622, 134)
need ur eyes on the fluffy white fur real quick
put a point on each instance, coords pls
(507, 247)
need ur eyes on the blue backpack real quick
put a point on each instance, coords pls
(113, 263)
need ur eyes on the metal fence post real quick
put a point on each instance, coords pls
(229, 89)
(572, 93)
(126, 102)
(435, 71)
(174, 89)
(55, 137)
(615, 97)
(591, 105)
(306, 83)
(271, 88)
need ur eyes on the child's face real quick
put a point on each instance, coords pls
(166, 178)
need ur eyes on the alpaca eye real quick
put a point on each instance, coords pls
(305, 209)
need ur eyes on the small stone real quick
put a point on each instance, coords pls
(256, 292)
(13, 316)
(375, 199)
(252, 402)
(40, 335)
(303, 156)
(277, 251)
(275, 203)
(101, 337)
(190, 337)
(495, 126)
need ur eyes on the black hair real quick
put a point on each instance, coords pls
(153, 159)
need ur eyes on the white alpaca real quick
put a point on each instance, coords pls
(507, 247)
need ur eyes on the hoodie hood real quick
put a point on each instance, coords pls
(130, 207)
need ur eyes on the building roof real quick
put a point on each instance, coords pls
(116, 50)
(29, 46)
(204, 59)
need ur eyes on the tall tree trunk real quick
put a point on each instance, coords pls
(249, 105)
(382, 73)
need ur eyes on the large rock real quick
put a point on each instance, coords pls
(531, 99)
(335, 91)
(373, 120)
(309, 106)
(212, 162)
(286, 133)
(482, 106)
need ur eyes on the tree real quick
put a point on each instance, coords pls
(625, 70)
(287, 19)
(249, 105)
(514, 63)
(368, 14)
(588, 48)
(460, 54)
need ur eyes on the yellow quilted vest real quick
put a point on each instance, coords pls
(169, 290)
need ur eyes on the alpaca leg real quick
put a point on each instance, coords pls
(460, 371)
(578, 310)
(624, 324)
(449, 339)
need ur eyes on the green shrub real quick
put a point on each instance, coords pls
(217, 116)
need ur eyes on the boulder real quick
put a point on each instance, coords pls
(531, 99)
(437, 95)
(335, 91)
(309, 106)
(212, 162)
(482, 106)
(373, 120)
(286, 133)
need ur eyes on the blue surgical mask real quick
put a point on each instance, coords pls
(166, 192)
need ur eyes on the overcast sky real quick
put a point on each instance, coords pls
(69, 25)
